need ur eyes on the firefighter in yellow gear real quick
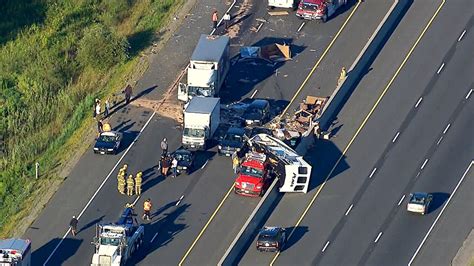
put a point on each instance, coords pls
(138, 183)
(342, 76)
(121, 184)
(130, 184)
(123, 171)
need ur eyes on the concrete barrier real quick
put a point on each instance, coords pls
(335, 103)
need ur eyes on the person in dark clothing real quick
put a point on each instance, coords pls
(73, 225)
(165, 165)
(100, 126)
(128, 93)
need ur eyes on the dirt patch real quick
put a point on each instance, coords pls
(168, 108)
(244, 11)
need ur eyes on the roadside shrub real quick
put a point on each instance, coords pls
(101, 49)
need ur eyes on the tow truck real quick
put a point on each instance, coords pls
(116, 243)
(318, 9)
(255, 175)
(15, 252)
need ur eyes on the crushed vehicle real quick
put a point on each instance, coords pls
(116, 243)
(185, 160)
(108, 142)
(233, 141)
(271, 238)
(201, 120)
(15, 252)
(257, 113)
(272, 53)
(255, 175)
(318, 9)
(207, 69)
(419, 202)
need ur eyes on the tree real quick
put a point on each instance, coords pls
(101, 49)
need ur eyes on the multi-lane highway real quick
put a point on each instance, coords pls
(196, 217)
(358, 215)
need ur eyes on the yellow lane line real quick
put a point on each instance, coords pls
(205, 226)
(321, 58)
(296, 94)
(363, 124)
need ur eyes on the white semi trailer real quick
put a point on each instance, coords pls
(207, 69)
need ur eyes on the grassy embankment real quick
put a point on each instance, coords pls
(56, 57)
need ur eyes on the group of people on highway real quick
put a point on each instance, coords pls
(132, 185)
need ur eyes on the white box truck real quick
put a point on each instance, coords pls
(281, 3)
(201, 119)
(207, 69)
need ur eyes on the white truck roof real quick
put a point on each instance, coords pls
(202, 105)
(210, 48)
(14, 249)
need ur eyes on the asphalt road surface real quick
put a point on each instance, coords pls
(357, 212)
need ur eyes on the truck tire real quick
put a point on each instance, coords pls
(324, 18)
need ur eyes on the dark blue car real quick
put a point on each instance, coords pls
(108, 142)
(233, 141)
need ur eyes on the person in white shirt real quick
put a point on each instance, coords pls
(226, 19)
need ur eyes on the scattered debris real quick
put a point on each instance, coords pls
(273, 52)
(278, 13)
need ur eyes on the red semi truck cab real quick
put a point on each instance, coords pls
(318, 9)
(254, 175)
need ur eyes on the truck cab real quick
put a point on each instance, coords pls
(318, 9)
(254, 176)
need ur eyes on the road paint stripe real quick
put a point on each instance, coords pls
(325, 246)
(179, 201)
(401, 200)
(202, 167)
(153, 238)
(446, 129)
(424, 163)
(253, 94)
(320, 59)
(373, 172)
(100, 187)
(417, 175)
(468, 94)
(136, 200)
(365, 119)
(419, 101)
(301, 26)
(462, 35)
(395, 138)
(259, 27)
(440, 68)
(220, 21)
(349, 210)
(205, 226)
(439, 215)
(439, 141)
(378, 237)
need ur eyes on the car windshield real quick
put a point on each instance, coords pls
(255, 110)
(246, 170)
(198, 91)
(418, 199)
(182, 157)
(106, 138)
(194, 132)
(309, 6)
(110, 241)
(233, 137)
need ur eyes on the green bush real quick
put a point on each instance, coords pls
(101, 49)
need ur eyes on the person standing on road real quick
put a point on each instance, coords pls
(73, 225)
(165, 165)
(342, 76)
(107, 108)
(215, 19)
(235, 162)
(226, 19)
(164, 147)
(97, 108)
(174, 167)
(130, 184)
(138, 183)
(128, 93)
(147, 209)
(100, 126)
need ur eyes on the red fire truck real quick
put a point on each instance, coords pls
(255, 175)
(318, 9)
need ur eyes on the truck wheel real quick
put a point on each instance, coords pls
(325, 18)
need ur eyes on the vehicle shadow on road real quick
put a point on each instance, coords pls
(343, 9)
(91, 223)
(323, 156)
(245, 74)
(439, 198)
(162, 232)
(298, 233)
(68, 248)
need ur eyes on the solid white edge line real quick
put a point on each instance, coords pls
(373, 171)
(378, 237)
(220, 21)
(100, 187)
(446, 129)
(349, 209)
(419, 101)
(440, 68)
(253, 94)
(301, 26)
(401, 200)
(395, 138)
(325, 246)
(439, 215)
(424, 163)
(462, 35)
(468, 94)
(153, 238)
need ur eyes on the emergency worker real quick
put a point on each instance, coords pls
(130, 185)
(121, 184)
(138, 183)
